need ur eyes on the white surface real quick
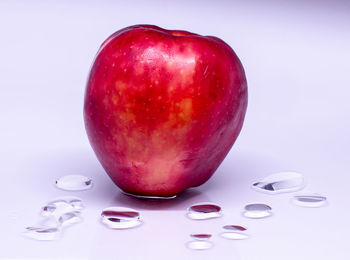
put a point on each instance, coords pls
(296, 56)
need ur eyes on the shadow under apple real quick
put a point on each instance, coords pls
(180, 202)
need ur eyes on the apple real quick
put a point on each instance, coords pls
(163, 108)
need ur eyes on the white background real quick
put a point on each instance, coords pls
(296, 56)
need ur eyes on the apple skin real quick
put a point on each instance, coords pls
(163, 108)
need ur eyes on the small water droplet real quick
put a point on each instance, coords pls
(204, 211)
(74, 183)
(234, 227)
(199, 245)
(257, 210)
(309, 200)
(201, 236)
(234, 235)
(280, 182)
(120, 218)
(144, 197)
(42, 233)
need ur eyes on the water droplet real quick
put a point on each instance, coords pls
(257, 210)
(49, 221)
(120, 218)
(48, 210)
(56, 213)
(75, 202)
(74, 183)
(199, 245)
(234, 227)
(204, 211)
(309, 200)
(234, 235)
(201, 236)
(69, 218)
(257, 207)
(280, 182)
(57, 209)
(144, 197)
(42, 233)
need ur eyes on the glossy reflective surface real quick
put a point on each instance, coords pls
(199, 245)
(55, 216)
(42, 233)
(120, 218)
(234, 227)
(201, 236)
(74, 183)
(309, 200)
(234, 235)
(149, 197)
(280, 182)
(257, 210)
(204, 211)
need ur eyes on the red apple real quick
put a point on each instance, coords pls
(163, 108)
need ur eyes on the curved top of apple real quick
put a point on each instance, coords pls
(170, 33)
(176, 33)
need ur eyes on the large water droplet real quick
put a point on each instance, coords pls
(42, 233)
(74, 183)
(204, 211)
(309, 200)
(280, 182)
(257, 210)
(201, 236)
(234, 235)
(234, 227)
(199, 245)
(120, 218)
(56, 213)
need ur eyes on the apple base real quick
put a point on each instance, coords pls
(145, 197)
